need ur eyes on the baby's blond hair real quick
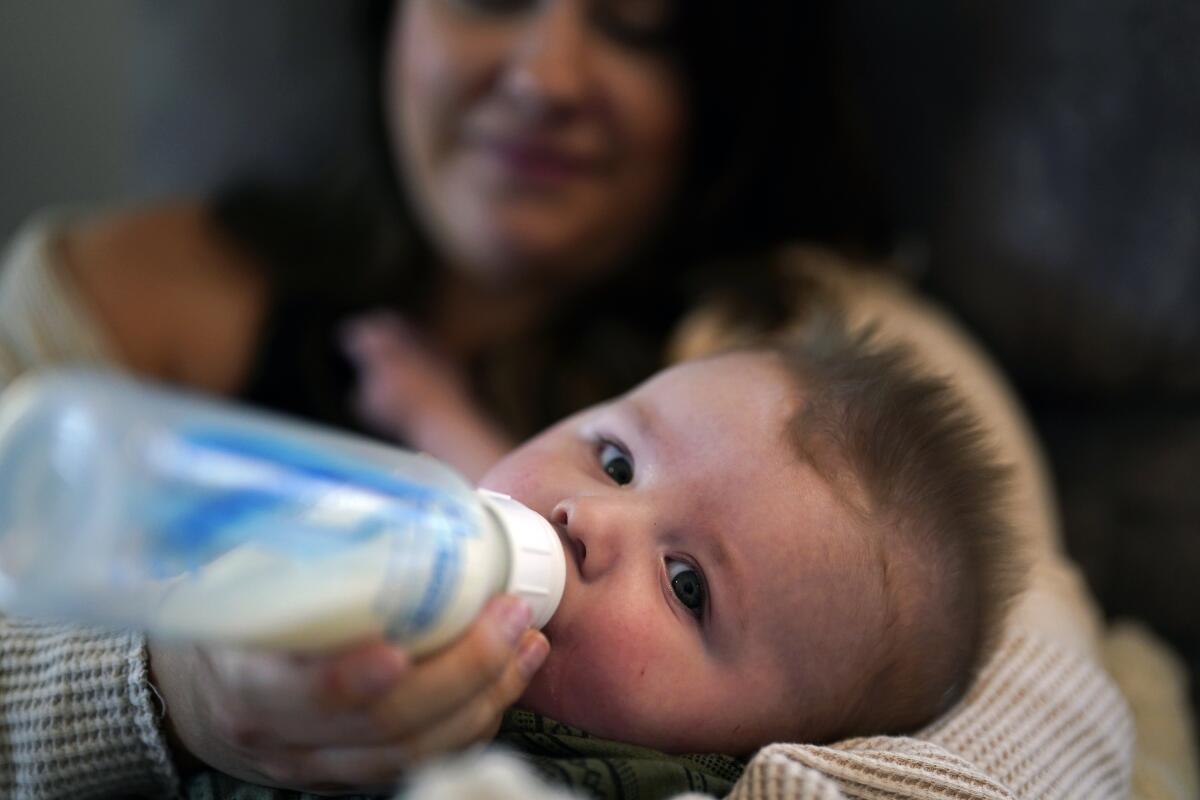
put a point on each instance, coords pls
(906, 456)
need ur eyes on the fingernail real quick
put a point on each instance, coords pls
(513, 617)
(532, 654)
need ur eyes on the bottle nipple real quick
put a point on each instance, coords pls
(537, 566)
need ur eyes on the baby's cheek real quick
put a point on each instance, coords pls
(617, 682)
(518, 477)
(534, 474)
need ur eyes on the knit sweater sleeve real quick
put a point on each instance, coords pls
(78, 716)
(1040, 722)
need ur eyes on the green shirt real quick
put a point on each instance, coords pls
(562, 755)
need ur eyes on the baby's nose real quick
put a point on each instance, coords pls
(561, 517)
(589, 531)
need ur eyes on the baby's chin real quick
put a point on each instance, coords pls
(551, 694)
(556, 694)
(611, 724)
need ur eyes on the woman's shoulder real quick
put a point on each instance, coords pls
(175, 298)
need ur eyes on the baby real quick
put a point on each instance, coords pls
(795, 543)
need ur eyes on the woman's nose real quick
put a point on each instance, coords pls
(597, 532)
(547, 72)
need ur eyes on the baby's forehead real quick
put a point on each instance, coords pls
(719, 396)
(817, 580)
(756, 365)
(810, 559)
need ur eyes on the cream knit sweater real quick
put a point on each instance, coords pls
(78, 717)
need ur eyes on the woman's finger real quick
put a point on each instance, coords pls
(330, 769)
(279, 701)
(436, 688)
(482, 671)
(374, 769)
(378, 335)
(478, 720)
(270, 683)
(274, 700)
(362, 675)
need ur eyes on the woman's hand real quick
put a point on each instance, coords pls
(355, 721)
(411, 392)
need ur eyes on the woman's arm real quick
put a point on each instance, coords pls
(355, 720)
(173, 298)
(77, 715)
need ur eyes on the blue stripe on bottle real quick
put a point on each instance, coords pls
(206, 524)
(199, 528)
(313, 464)
(441, 577)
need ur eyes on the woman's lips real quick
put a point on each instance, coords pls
(537, 162)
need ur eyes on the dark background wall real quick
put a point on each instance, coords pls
(1045, 159)
(66, 104)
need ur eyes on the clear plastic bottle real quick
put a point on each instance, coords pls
(129, 505)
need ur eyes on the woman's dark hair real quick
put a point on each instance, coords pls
(763, 168)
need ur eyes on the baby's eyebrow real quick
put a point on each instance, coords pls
(646, 420)
(729, 604)
(720, 556)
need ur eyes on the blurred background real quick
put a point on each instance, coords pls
(126, 100)
(1033, 164)
(66, 92)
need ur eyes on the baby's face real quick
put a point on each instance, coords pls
(718, 595)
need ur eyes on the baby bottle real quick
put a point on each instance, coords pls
(127, 505)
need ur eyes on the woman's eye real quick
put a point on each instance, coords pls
(638, 23)
(687, 585)
(496, 7)
(616, 464)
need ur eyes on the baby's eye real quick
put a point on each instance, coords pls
(617, 465)
(687, 585)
